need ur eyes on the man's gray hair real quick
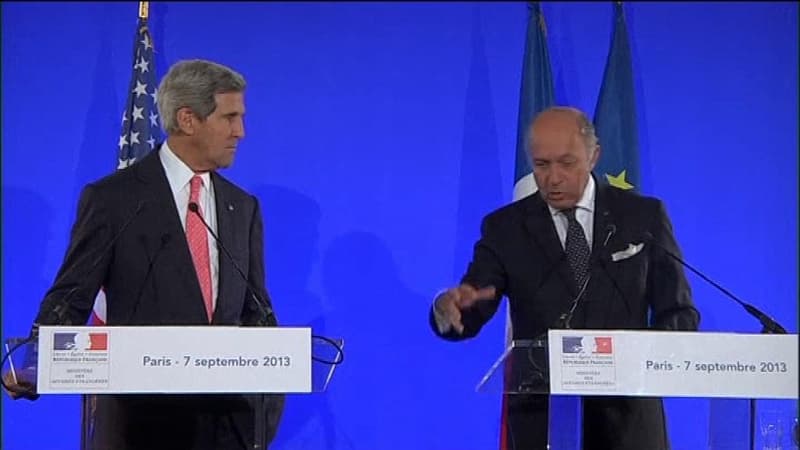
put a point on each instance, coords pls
(193, 84)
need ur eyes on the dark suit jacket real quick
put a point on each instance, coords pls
(149, 279)
(519, 253)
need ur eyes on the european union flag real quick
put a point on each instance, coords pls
(615, 114)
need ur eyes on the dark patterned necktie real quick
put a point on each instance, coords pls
(577, 248)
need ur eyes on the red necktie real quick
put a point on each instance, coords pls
(197, 237)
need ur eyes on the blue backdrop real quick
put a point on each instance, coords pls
(378, 134)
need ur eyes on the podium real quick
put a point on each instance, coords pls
(750, 380)
(172, 360)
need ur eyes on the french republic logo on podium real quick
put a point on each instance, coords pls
(587, 362)
(80, 360)
(592, 345)
(80, 341)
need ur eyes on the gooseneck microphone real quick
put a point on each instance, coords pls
(164, 240)
(58, 315)
(565, 318)
(537, 369)
(770, 326)
(610, 230)
(268, 316)
(267, 319)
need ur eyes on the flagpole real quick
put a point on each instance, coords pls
(128, 153)
(144, 10)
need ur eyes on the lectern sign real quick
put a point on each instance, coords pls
(587, 362)
(673, 363)
(79, 359)
(173, 359)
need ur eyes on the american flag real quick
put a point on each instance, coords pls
(140, 125)
(140, 130)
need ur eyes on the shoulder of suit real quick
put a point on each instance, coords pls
(627, 199)
(513, 211)
(231, 189)
(120, 178)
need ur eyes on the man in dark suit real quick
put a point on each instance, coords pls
(165, 268)
(542, 250)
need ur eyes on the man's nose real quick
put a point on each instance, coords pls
(556, 177)
(238, 130)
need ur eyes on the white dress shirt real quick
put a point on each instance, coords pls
(584, 214)
(179, 176)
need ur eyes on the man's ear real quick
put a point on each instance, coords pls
(595, 157)
(186, 121)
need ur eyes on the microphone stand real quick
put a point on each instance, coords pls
(266, 319)
(768, 325)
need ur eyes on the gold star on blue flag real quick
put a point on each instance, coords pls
(615, 114)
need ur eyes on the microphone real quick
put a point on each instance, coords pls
(603, 258)
(58, 315)
(565, 318)
(268, 316)
(770, 326)
(164, 241)
(610, 230)
(538, 371)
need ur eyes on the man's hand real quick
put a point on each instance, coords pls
(19, 388)
(450, 304)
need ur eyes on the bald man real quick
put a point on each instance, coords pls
(543, 250)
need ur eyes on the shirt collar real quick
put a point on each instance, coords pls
(178, 173)
(587, 200)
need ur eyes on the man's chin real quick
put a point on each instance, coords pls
(558, 202)
(224, 164)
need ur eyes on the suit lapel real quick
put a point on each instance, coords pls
(604, 222)
(226, 224)
(542, 231)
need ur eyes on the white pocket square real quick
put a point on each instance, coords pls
(628, 252)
